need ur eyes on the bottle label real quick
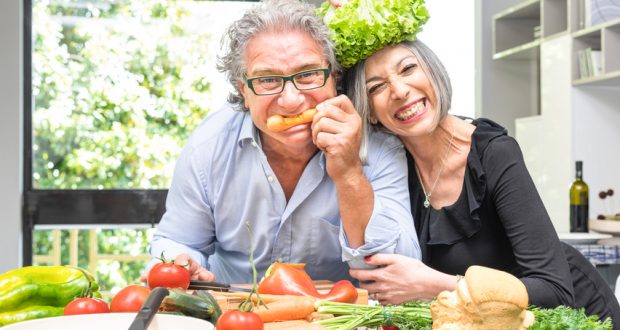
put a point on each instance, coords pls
(579, 218)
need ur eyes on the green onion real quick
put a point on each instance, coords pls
(412, 315)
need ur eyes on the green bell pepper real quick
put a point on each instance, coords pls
(29, 313)
(42, 286)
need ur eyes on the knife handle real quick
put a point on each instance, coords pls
(203, 285)
(148, 309)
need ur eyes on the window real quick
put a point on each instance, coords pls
(117, 87)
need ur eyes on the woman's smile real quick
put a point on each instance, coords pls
(412, 111)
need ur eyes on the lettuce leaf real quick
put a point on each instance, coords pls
(361, 27)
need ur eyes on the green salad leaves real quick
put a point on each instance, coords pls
(361, 27)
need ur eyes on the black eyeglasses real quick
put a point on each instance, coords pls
(303, 81)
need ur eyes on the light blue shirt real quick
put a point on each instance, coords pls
(223, 180)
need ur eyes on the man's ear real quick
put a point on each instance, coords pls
(242, 91)
(240, 87)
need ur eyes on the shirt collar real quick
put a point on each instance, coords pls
(249, 134)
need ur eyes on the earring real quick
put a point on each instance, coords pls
(373, 120)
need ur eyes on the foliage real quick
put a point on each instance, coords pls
(563, 317)
(117, 90)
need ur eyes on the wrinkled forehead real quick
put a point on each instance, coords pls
(281, 52)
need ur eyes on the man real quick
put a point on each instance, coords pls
(304, 191)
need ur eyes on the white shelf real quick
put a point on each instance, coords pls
(514, 29)
(606, 38)
(527, 51)
(607, 79)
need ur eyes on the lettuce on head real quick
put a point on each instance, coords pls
(361, 27)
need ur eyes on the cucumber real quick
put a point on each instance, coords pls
(201, 305)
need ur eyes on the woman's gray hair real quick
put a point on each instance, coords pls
(355, 87)
(268, 16)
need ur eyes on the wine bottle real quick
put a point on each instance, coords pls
(579, 213)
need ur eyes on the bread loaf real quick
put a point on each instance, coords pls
(485, 299)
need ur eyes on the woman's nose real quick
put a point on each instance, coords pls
(400, 90)
(290, 97)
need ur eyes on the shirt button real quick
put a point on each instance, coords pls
(270, 178)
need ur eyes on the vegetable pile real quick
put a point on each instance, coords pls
(361, 27)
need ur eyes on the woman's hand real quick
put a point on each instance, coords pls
(400, 279)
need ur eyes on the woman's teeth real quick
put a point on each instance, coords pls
(404, 115)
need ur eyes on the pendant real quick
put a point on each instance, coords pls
(426, 203)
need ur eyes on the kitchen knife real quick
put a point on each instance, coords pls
(215, 286)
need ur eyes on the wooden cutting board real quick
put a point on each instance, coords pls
(228, 303)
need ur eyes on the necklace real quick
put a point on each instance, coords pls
(427, 196)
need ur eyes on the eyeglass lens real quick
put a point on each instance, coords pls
(302, 81)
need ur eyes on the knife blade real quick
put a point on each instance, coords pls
(215, 286)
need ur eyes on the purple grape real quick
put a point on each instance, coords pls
(600, 217)
(602, 195)
(610, 192)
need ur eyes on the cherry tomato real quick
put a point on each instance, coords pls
(389, 327)
(236, 319)
(129, 299)
(86, 306)
(168, 275)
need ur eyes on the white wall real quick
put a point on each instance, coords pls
(10, 133)
(450, 34)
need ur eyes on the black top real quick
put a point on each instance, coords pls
(499, 221)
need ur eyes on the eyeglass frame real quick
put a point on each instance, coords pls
(326, 73)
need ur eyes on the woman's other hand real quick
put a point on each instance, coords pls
(400, 279)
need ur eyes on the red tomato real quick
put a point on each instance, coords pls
(168, 275)
(129, 299)
(236, 319)
(86, 306)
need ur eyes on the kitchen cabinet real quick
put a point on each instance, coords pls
(529, 81)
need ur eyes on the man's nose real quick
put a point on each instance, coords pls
(290, 96)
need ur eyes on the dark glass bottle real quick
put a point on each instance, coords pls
(579, 212)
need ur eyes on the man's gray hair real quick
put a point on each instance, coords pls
(268, 16)
(355, 87)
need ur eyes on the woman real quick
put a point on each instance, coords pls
(473, 200)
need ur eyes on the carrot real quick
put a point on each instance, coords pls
(265, 298)
(295, 308)
(278, 123)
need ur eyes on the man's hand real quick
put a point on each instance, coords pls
(196, 271)
(337, 130)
